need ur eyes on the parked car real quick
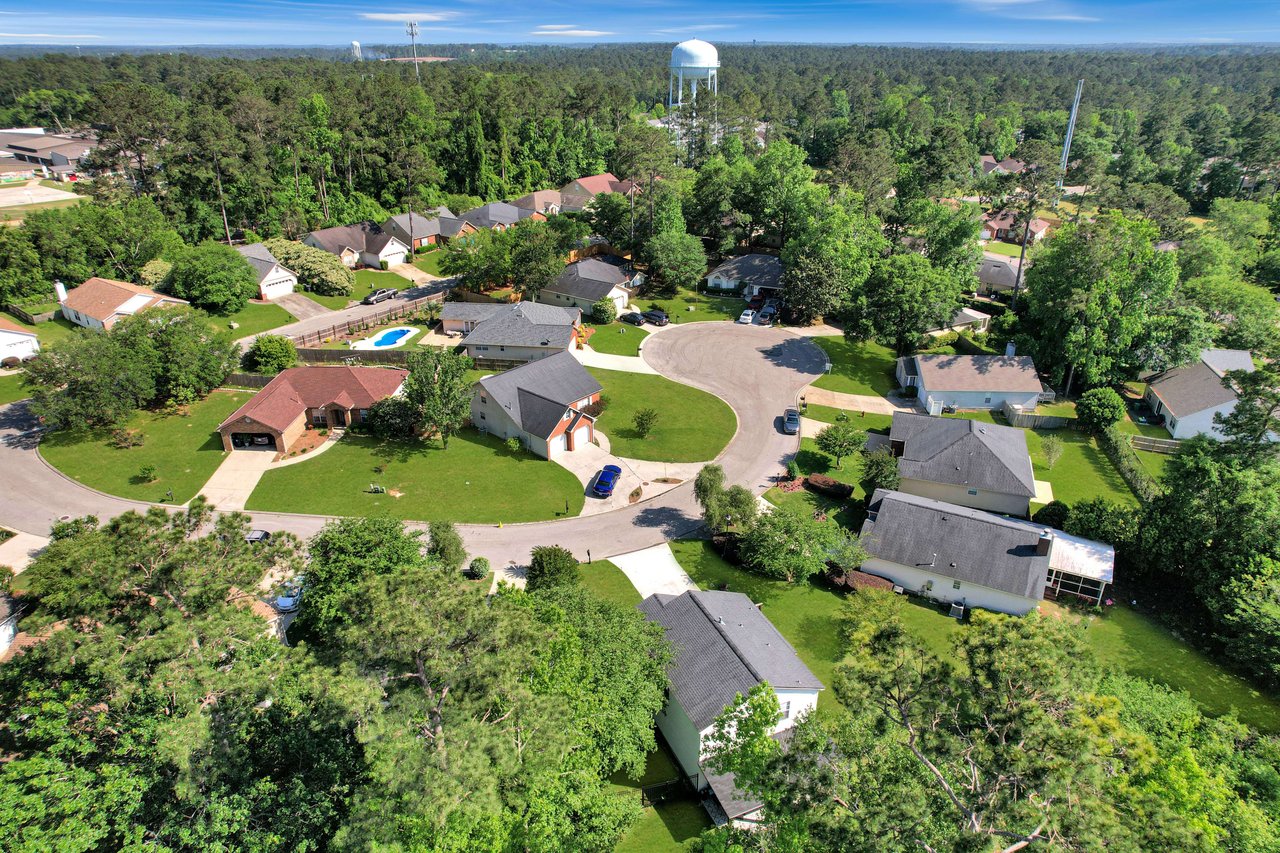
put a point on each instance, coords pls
(791, 422)
(769, 310)
(256, 536)
(756, 302)
(606, 480)
(656, 317)
(290, 597)
(767, 316)
(747, 317)
(380, 295)
(633, 318)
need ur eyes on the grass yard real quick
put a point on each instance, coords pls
(11, 389)
(608, 582)
(692, 425)
(1153, 462)
(667, 826)
(476, 480)
(253, 319)
(184, 450)
(366, 282)
(690, 307)
(429, 262)
(869, 421)
(999, 247)
(617, 338)
(848, 514)
(17, 212)
(50, 331)
(865, 368)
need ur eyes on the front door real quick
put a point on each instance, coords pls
(339, 417)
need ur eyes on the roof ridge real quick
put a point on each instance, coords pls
(696, 597)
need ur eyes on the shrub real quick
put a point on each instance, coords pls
(1116, 445)
(879, 471)
(147, 474)
(155, 274)
(317, 270)
(644, 421)
(824, 485)
(445, 545)
(604, 311)
(1051, 447)
(270, 354)
(392, 417)
(513, 444)
(478, 569)
(597, 408)
(793, 469)
(382, 265)
(214, 277)
(552, 566)
(126, 438)
(1098, 409)
(1052, 514)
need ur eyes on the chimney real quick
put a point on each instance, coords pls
(60, 289)
(1010, 349)
(1042, 545)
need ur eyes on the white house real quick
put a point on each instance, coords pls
(542, 403)
(362, 244)
(1190, 396)
(525, 331)
(274, 278)
(970, 381)
(959, 555)
(586, 282)
(16, 343)
(724, 647)
(99, 303)
(8, 623)
(749, 275)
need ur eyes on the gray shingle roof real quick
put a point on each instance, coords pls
(261, 259)
(724, 646)
(591, 279)
(536, 394)
(362, 237)
(1009, 373)
(963, 452)
(1196, 387)
(994, 272)
(957, 542)
(526, 324)
(495, 213)
(422, 226)
(754, 269)
(733, 802)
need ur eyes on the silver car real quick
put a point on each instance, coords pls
(290, 597)
(791, 422)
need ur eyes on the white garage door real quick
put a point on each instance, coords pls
(276, 289)
(559, 443)
(581, 437)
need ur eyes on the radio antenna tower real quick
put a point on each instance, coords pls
(1071, 129)
(412, 29)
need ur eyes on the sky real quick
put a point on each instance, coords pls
(330, 22)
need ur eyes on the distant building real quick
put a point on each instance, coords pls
(749, 275)
(274, 278)
(525, 331)
(577, 194)
(498, 215)
(586, 282)
(971, 381)
(1188, 397)
(16, 343)
(362, 244)
(430, 228)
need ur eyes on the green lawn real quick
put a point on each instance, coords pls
(869, 421)
(429, 262)
(608, 582)
(617, 338)
(667, 826)
(690, 307)
(476, 480)
(11, 388)
(253, 319)
(20, 211)
(811, 460)
(999, 247)
(366, 282)
(1153, 462)
(865, 368)
(692, 425)
(184, 450)
(50, 331)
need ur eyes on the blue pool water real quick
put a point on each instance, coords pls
(391, 337)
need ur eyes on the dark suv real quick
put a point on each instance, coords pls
(656, 317)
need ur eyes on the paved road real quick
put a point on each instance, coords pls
(757, 371)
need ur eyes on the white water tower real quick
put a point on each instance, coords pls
(695, 62)
(355, 51)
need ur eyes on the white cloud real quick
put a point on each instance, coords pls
(694, 28)
(568, 31)
(557, 26)
(401, 17)
(46, 36)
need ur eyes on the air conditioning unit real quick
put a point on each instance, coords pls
(897, 590)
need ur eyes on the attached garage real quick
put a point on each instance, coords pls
(253, 440)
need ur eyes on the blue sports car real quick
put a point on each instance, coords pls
(606, 480)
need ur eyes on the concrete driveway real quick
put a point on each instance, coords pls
(230, 486)
(301, 307)
(654, 570)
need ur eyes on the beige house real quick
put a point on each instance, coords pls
(99, 303)
(274, 278)
(502, 331)
(362, 244)
(543, 404)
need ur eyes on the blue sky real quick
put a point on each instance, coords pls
(314, 22)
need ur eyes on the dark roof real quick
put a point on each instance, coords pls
(956, 542)
(733, 802)
(724, 646)
(495, 213)
(591, 279)
(297, 389)
(1196, 387)
(963, 452)
(536, 394)
(362, 237)
(418, 225)
(977, 372)
(526, 324)
(994, 272)
(470, 310)
(261, 259)
(753, 269)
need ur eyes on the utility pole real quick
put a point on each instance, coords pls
(412, 29)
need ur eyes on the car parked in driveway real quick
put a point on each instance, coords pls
(253, 537)
(290, 597)
(791, 422)
(633, 318)
(756, 302)
(747, 317)
(656, 317)
(380, 295)
(606, 480)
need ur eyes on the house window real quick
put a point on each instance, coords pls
(1173, 423)
(483, 399)
(786, 710)
(482, 417)
(318, 418)
(987, 400)
(566, 415)
(482, 349)
(502, 349)
(973, 491)
(955, 584)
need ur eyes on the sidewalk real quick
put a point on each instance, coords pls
(18, 551)
(629, 363)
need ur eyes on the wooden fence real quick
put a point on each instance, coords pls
(351, 327)
(1155, 445)
(349, 356)
(1030, 420)
(248, 380)
(28, 314)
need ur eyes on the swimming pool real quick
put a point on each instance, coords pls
(387, 338)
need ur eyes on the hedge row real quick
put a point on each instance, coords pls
(1116, 445)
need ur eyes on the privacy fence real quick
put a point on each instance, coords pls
(353, 326)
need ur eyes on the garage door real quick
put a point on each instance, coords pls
(581, 437)
(253, 440)
(560, 443)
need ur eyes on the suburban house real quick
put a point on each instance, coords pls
(749, 275)
(1190, 396)
(546, 202)
(575, 195)
(417, 230)
(16, 343)
(274, 279)
(541, 403)
(586, 282)
(996, 275)
(1007, 166)
(498, 216)
(56, 155)
(724, 647)
(1004, 225)
(960, 555)
(525, 331)
(961, 461)
(100, 302)
(299, 397)
(965, 319)
(970, 381)
(362, 244)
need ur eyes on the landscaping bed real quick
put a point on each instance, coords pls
(478, 479)
(185, 451)
(692, 425)
(812, 461)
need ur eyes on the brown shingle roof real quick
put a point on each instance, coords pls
(99, 298)
(300, 388)
(10, 326)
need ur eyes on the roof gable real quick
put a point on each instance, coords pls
(528, 324)
(296, 389)
(537, 394)
(963, 452)
(101, 298)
